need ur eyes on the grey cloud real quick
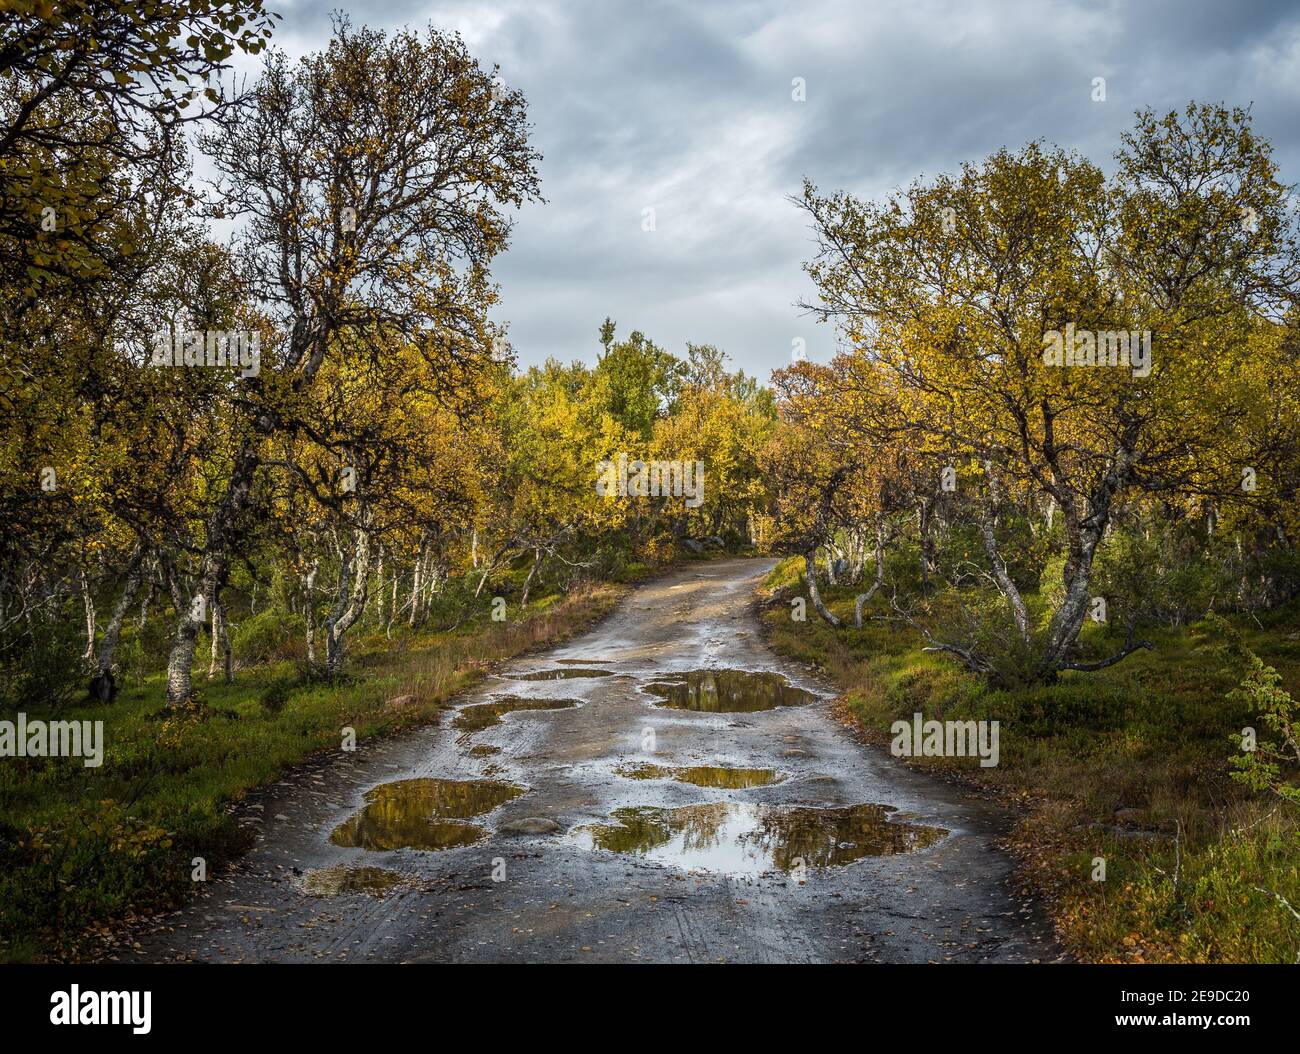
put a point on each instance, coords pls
(685, 107)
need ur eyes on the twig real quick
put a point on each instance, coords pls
(1286, 904)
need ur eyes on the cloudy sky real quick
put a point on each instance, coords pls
(687, 108)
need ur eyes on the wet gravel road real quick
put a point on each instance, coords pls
(573, 860)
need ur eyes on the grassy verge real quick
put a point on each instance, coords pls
(83, 849)
(1129, 764)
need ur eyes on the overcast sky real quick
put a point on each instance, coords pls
(687, 108)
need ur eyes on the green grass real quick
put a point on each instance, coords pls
(1151, 736)
(83, 849)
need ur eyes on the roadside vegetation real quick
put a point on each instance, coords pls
(1052, 481)
(1133, 764)
(87, 849)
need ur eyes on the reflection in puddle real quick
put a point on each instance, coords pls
(742, 838)
(702, 775)
(420, 814)
(332, 881)
(480, 715)
(560, 675)
(727, 691)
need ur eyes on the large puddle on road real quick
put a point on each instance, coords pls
(423, 814)
(701, 775)
(744, 838)
(727, 691)
(342, 878)
(566, 674)
(481, 715)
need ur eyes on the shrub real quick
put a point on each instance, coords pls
(1270, 765)
(276, 694)
(263, 636)
(44, 666)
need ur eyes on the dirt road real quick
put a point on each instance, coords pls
(687, 799)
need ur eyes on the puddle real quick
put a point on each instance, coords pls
(561, 675)
(744, 838)
(727, 691)
(481, 715)
(702, 775)
(422, 814)
(580, 662)
(333, 881)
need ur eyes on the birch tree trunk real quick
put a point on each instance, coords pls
(392, 608)
(864, 598)
(214, 632)
(349, 600)
(489, 567)
(214, 566)
(417, 583)
(532, 572)
(88, 602)
(103, 686)
(1083, 535)
(221, 649)
(925, 529)
(308, 585)
(859, 551)
(810, 565)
